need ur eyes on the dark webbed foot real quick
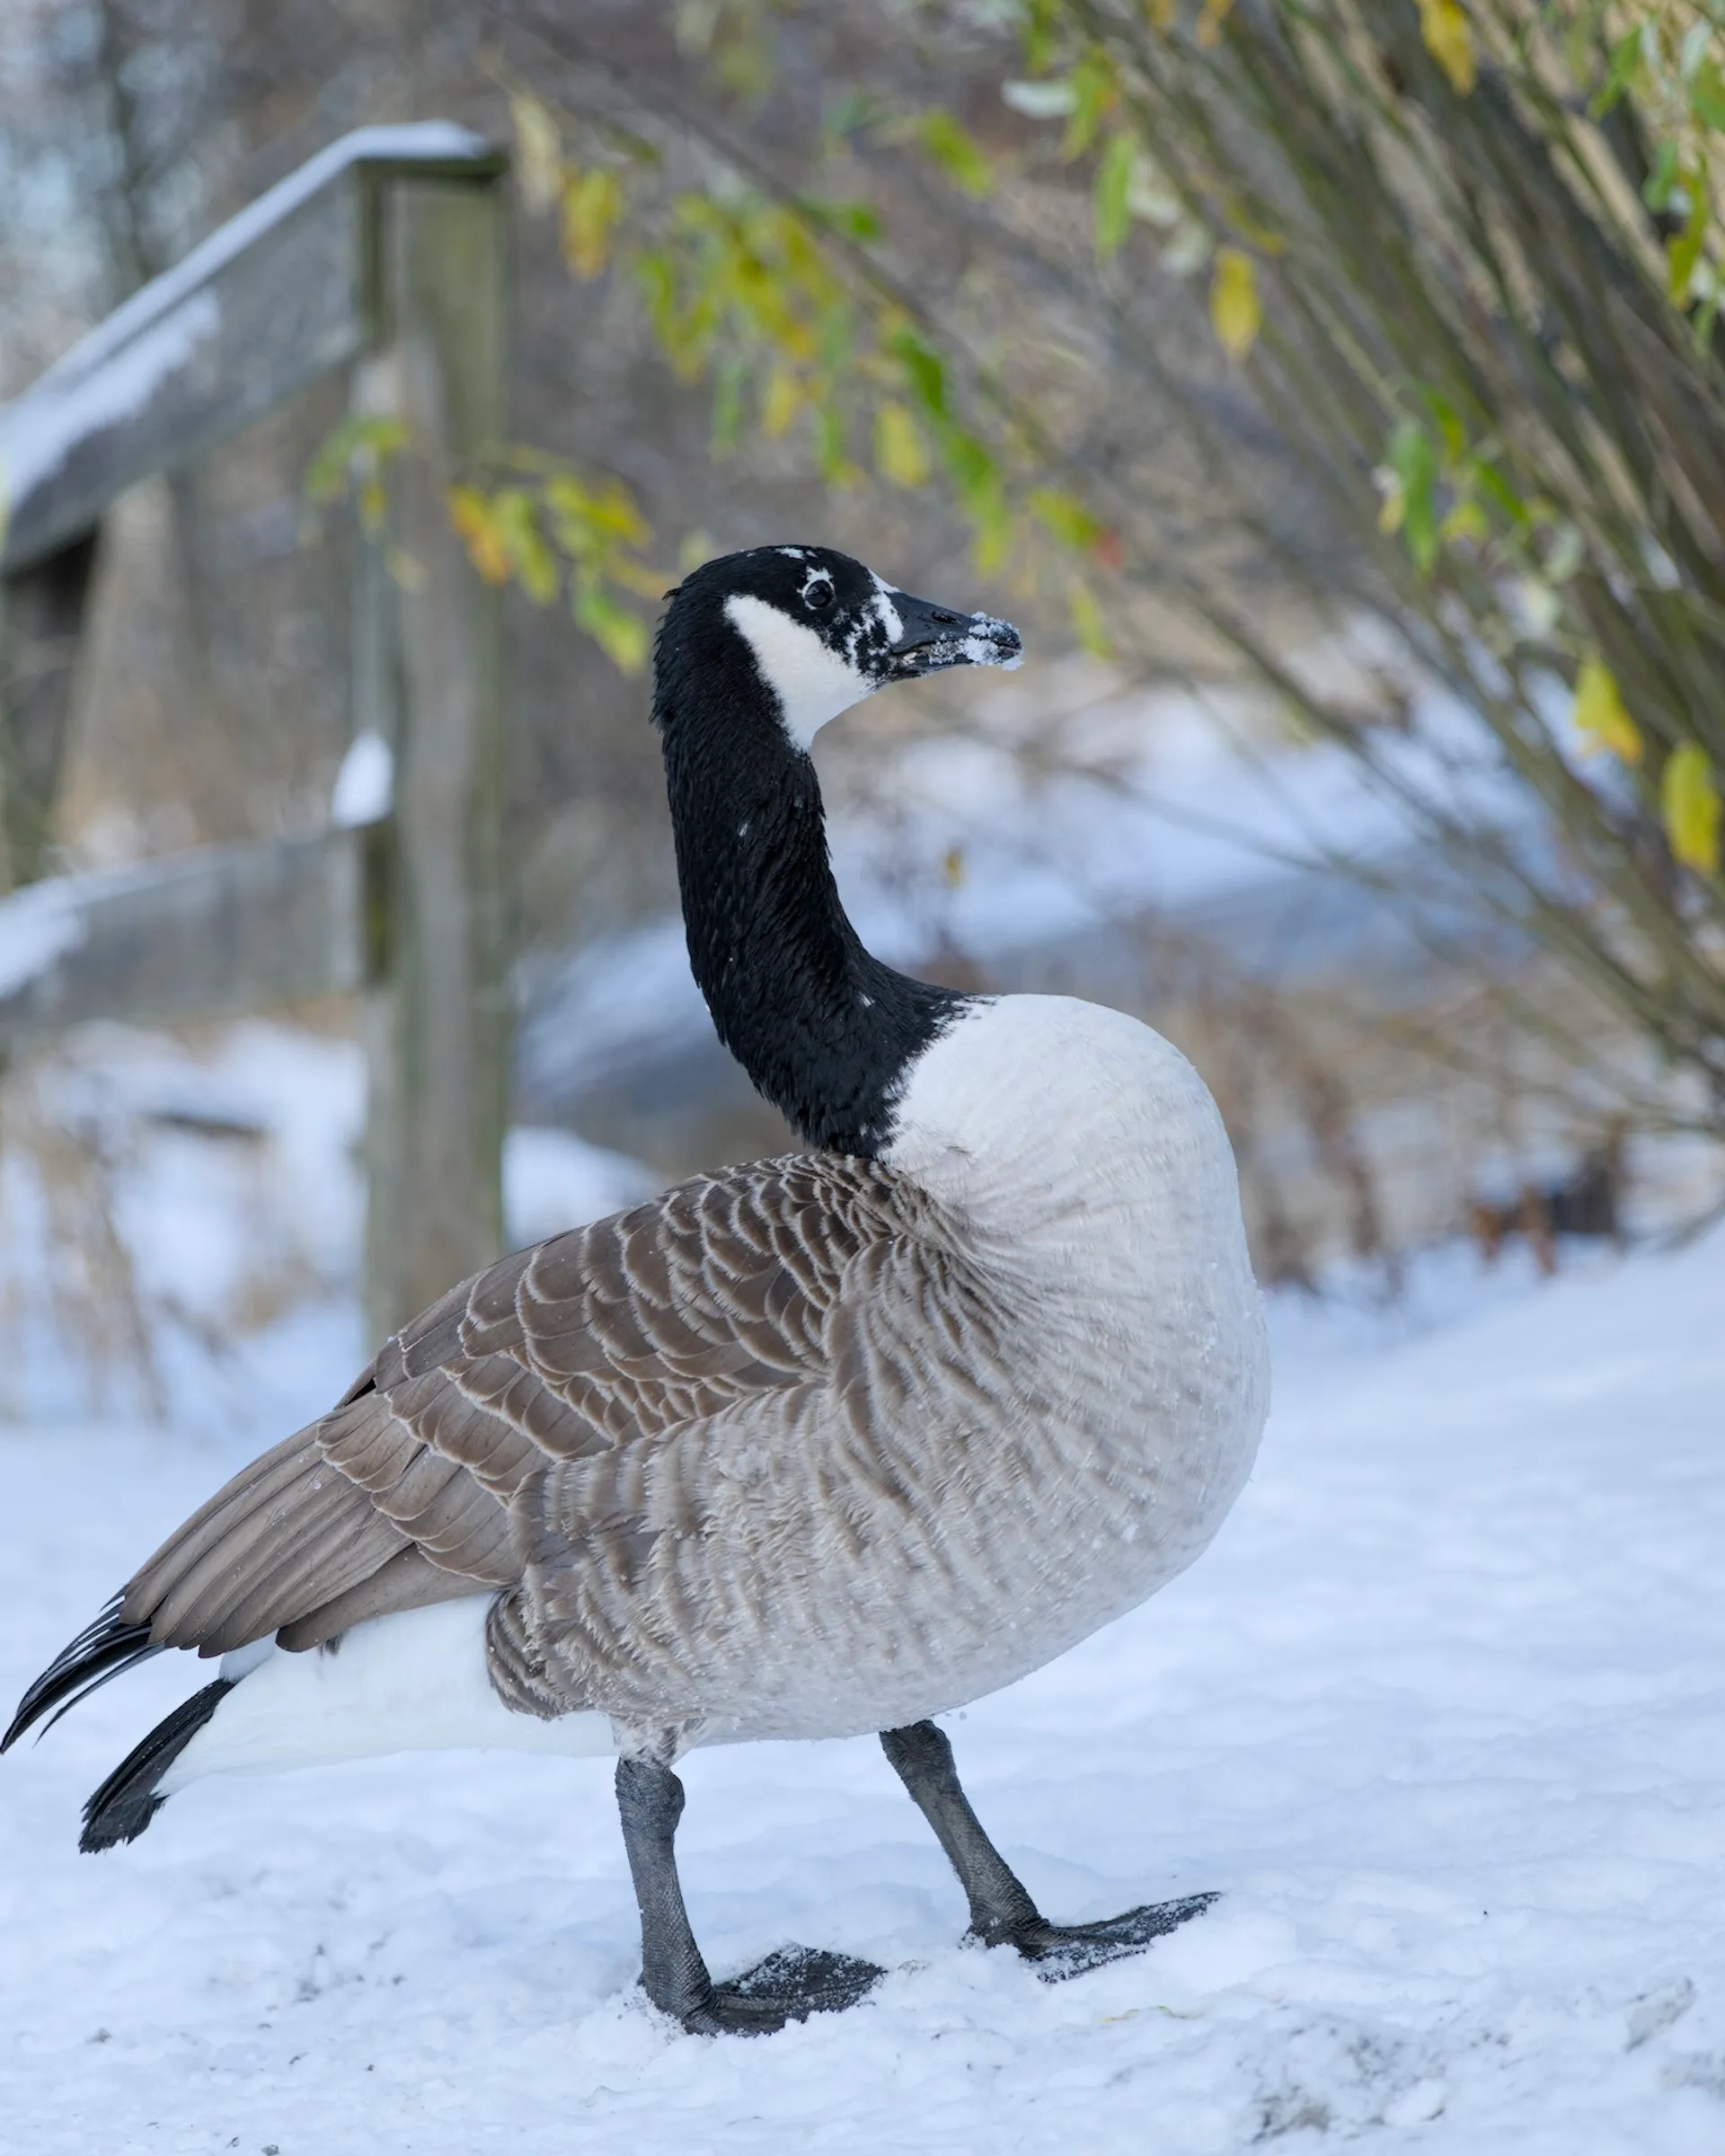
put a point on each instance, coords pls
(788, 1986)
(1063, 1951)
(1001, 1913)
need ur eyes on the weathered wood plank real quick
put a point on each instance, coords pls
(41, 624)
(276, 298)
(209, 933)
(429, 680)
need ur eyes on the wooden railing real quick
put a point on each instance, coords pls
(385, 256)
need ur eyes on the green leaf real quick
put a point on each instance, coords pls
(1655, 188)
(832, 449)
(620, 634)
(1707, 95)
(1095, 92)
(1625, 59)
(1114, 172)
(1450, 425)
(1065, 518)
(956, 152)
(1489, 482)
(851, 220)
(849, 114)
(924, 370)
(1683, 251)
(517, 519)
(1413, 459)
(730, 380)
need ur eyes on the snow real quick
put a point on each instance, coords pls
(118, 367)
(1440, 1714)
(40, 429)
(554, 1180)
(38, 925)
(365, 785)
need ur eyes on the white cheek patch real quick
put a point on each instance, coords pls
(812, 682)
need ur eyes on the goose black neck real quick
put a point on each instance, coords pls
(823, 1028)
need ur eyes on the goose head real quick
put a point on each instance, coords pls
(756, 652)
(820, 632)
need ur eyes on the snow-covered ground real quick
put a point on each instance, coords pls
(1442, 1715)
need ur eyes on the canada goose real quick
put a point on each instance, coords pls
(819, 1445)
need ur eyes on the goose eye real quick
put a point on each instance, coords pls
(819, 596)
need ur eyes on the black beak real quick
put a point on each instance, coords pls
(932, 638)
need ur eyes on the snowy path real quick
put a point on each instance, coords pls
(1443, 1712)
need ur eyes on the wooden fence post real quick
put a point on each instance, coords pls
(41, 622)
(428, 677)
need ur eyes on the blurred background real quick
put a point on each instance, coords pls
(1330, 395)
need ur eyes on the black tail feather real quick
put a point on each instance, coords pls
(100, 1651)
(126, 1803)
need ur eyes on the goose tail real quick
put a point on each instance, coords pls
(132, 1795)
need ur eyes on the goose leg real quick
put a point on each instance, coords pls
(1001, 1913)
(788, 1986)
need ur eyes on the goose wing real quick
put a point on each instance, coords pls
(593, 1350)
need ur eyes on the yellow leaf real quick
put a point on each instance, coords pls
(1600, 718)
(1211, 17)
(538, 154)
(900, 453)
(782, 403)
(1689, 801)
(953, 867)
(1449, 41)
(471, 515)
(1234, 309)
(517, 519)
(1467, 520)
(592, 204)
(1159, 14)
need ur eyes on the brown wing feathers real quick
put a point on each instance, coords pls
(602, 1342)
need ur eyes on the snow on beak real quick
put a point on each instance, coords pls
(932, 638)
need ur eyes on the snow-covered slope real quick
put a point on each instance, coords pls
(1443, 1714)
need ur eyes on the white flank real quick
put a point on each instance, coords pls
(413, 1682)
(812, 682)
